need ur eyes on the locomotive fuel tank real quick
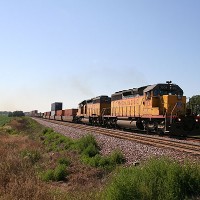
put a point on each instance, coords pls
(130, 124)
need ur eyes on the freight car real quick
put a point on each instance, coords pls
(159, 108)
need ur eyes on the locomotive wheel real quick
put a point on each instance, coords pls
(151, 127)
(160, 132)
(148, 131)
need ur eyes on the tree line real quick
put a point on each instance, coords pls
(194, 104)
(16, 114)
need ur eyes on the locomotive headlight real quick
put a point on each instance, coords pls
(179, 119)
(196, 120)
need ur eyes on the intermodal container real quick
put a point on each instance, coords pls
(70, 112)
(59, 112)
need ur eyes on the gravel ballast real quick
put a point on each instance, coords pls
(133, 151)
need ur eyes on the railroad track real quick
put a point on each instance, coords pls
(162, 142)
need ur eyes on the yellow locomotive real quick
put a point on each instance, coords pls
(150, 108)
(150, 101)
(154, 108)
(91, 111)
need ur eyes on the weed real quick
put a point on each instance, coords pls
(64, 161)
(4, 120)
(57, 174)
(48, 175)
(55, 141)
(87, 145)
(107, 162)
(158, 179)
(60, 173)
(117, 157)
(90, 150)
(33, 155)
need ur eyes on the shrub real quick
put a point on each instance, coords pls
(55, 141)
(87, 144)
(92, 161)
(106, 162)
(47, 175)
(47, 130)
(91, 150)
(60, 173)
(117, 157)
(33, 155)
(64, 161)
(158, 179)
(57, 174)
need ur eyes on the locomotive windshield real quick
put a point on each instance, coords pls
(168, 89)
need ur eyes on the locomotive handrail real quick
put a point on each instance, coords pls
(172, 113)
(103, 111)
(163, 103)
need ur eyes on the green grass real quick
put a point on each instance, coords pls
(32, 155)
(159, 179)
(25, 162)
(90, 154)
(64, 161)
(4, 120)
(106, 162)
(57, 174)
(86, 146)
(55, 141)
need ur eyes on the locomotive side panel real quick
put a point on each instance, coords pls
(173, 105)
(96, 107)
(130, 107)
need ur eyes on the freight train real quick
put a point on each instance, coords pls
(159, 108)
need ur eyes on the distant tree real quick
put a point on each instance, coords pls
(10, 114)
(194, 104)
(5, 113)
(16, 114)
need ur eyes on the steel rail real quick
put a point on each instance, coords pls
(191, 148)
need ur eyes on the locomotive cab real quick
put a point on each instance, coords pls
(165, 99)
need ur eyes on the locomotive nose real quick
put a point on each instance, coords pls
(189, 123)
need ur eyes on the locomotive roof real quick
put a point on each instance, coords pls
(92, 99)
(99, 97)
(160, 85)
(150, 87)
(133, 91)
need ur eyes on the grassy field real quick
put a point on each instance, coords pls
(157, 179)
(37, 163)
(4, 120)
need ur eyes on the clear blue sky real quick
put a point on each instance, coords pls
(71, 50)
